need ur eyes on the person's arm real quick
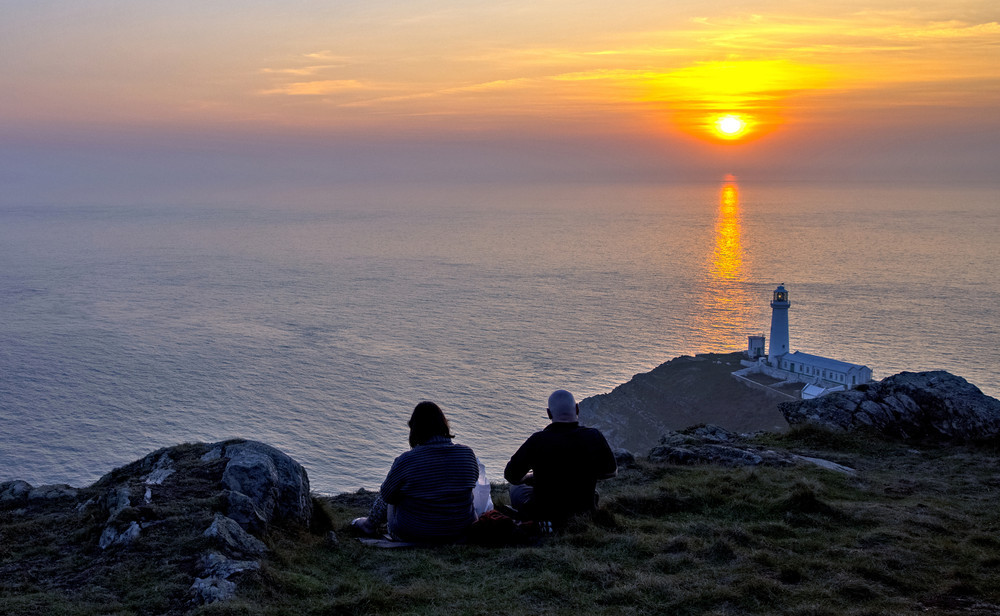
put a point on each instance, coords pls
(517, 471)
(606, 466)
(393, 482)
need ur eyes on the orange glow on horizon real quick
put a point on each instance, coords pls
(436, 72)
(735, 100)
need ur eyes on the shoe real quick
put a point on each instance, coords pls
(363, 525)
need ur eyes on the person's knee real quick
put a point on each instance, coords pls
(521, 496)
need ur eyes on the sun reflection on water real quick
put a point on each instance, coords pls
(727, 311)
(727, 263)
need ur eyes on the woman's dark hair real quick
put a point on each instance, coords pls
(427, 421)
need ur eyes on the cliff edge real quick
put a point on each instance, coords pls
(679, 393)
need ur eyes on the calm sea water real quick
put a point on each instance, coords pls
(317, 329)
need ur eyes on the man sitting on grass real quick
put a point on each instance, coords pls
(554, 473)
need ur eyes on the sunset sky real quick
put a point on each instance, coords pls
(139, 97)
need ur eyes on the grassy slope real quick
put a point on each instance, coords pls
(913, 532)
(50, 562)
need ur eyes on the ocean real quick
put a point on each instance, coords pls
(317, 326)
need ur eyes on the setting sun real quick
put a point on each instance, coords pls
(730, 126)
(733, 100)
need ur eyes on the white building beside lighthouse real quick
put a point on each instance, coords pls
(818, 375)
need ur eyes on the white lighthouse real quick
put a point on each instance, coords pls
(779, 325)
(818, 375)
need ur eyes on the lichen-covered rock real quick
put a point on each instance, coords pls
(212, 589)
(266, 485)
(698, 435)
(623, 457)
(59, 491)
(14, 492)
(242, 487)
(219, 565)
(115, 500)
(231, 537)
(908, 405)
(214, 584)
(119, 534)
(222, 499)
(163, 468)
(707, 444)
(245, 511)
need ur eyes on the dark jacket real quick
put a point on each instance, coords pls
(566, 459)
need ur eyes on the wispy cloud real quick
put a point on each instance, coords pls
(305, 65)
(326, 56)
(874, 33)
(317, 88)
(302, 71)
(488, 86)
(775, 65)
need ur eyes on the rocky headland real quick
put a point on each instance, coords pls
(679, 393)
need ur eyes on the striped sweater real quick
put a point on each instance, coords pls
(430, 487)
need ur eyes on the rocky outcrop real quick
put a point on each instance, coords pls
(218, 569)
(623, 457)
(909, 405)
(20, 492)
(707, 444)
(231, 538)
(257, 486)
(14, 492)
(220, 501)
(264, 486)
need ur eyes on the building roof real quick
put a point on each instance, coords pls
(815, 391)
(824, 363)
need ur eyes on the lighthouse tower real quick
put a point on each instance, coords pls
(779, 325)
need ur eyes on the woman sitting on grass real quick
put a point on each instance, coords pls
(427, 495)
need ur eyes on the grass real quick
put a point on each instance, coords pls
(916, 530)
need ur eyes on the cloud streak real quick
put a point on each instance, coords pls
(639, 70)
(318, 88)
